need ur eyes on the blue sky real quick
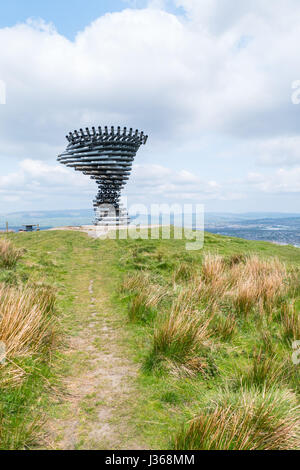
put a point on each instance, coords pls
(68, 16)
(210, 82)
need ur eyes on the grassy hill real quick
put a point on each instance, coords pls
(208, 333)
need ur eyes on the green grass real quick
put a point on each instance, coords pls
(166, 397)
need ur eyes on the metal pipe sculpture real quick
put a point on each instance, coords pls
(106, 156)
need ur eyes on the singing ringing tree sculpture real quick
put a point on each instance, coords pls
(106, 156)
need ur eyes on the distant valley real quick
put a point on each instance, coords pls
(279, 227)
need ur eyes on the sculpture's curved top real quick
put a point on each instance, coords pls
(103, 135)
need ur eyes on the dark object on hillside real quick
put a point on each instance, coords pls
(107, 158)
(30, 228)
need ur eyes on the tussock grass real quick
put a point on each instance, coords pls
(28, 336)
(258, 283)
(184, 272)
(248, 281)
(264, 371)
(9, 254)
(239, 285)
(214, 275)
(13, 432)
(142, 307)
(223, 325)
(252, 420)
(213, 268)
(294, 281)
(267, 342)
(290, 319)
(27, 327)
(136, 282)
(181, 340)
(145, 297)
(235, 259)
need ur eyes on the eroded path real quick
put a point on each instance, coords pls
(94, 409)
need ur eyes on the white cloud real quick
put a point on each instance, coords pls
(37, 173)
(39, 181)
(2, 92)
(282, 181)
(158, 182)
(147, 182)
(36, 182)
(281, 151)
(219, 16)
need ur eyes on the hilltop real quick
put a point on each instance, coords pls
(151, 336)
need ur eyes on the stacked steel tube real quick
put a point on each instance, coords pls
(106, 156)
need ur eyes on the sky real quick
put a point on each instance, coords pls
(214, 83)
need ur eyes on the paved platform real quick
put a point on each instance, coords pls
(95, 231)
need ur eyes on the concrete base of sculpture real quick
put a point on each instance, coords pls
(107, 214)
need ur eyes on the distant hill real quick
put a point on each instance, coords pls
(282, 230)
(278, 227)
(48, 219)
(226, 216)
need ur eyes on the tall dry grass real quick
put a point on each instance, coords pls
(28, 333)
(27, 327)
(258, 283)
(263, 371)
(214, 276)
(9, 254)
(181, 341)
(143, 305)
(251, 420)
(213, 268)
(290, 320)
(239, 285)
(136, 282)
(145, 296)
(184, 272)
(248, 282)
(223, 325)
